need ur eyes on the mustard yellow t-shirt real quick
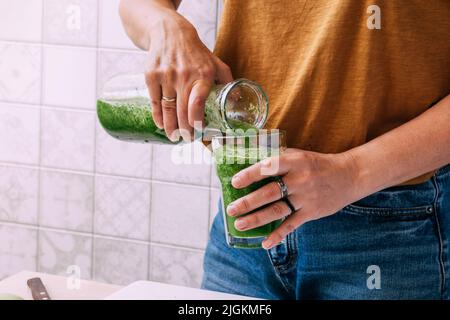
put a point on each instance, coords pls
(339, 73)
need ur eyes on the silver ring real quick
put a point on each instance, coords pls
(283, 187)
(168, 99)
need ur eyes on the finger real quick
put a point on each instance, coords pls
(256, 199)
(154, 90)
(186, 131)
(272, 166)
(223, 72)
(275, 211)
(288, 226)
(197, 98)
(169, 110)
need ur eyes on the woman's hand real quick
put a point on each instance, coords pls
(318, 185)
(180, 68)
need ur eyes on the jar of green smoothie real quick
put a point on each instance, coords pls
(233, 153)
(125, 112)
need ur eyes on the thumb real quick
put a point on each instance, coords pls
(223, 72)
(197, 98)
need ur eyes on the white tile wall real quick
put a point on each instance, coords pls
(179, 215)
(20, 72)
(120, 158)
(19, 141)
(69, 193)
(18, 194)
(188, 163)
(214, 196)
(66, 200)
(112, 63)
(21, 20)
(70, 22)
(176, 266)
(60, 250)
(122, 207)
(18, 247)
(67, 139)
(112, 35)
(202, 14)
(120, 262)
(69, 77)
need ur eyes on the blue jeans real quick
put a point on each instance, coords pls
(393, 244)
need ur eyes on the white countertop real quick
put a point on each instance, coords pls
(57, 287)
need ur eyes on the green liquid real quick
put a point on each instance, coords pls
(132, 120)
(228, 163)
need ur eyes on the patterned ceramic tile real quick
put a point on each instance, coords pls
(112, 63)
(214, 196)
(179, 215)
(70, 22)
(120, 262)
(122, 158)
(176, 266)
(18, 247)
(67, 139)
(122, 207)
(69, 77)
(112, 34)
(66, 200)
(22, 21)
(19, 141)
(20, 73)
(186, 163)
(18, 194)
(58, 251)
(202, 14)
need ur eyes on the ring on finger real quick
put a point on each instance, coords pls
(289, 204)
(169, 99)
(283, 187)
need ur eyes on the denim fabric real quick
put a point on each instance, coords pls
(399, 235)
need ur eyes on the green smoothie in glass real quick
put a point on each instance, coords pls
(232, 154)
(125, 112)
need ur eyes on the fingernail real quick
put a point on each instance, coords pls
(267, 244)
(175, 136)
(186, 138)
(231, 209)
(235, 181)
(240, 224)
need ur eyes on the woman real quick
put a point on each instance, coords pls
(362, 89)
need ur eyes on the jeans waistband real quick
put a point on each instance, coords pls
(443, 170)
(411, 195)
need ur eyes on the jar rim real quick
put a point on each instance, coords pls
(226, 90)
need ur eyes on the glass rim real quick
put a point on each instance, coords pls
(258, 132)
(275, 139)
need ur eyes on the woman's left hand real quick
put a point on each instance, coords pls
(318, 185)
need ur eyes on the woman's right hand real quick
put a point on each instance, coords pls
(180, 68)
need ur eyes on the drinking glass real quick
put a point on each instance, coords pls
(233, 153)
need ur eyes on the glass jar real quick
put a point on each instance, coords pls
(125, 112)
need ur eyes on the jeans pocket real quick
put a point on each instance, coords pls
(387, 213)
(400, 203)
(284, 254)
